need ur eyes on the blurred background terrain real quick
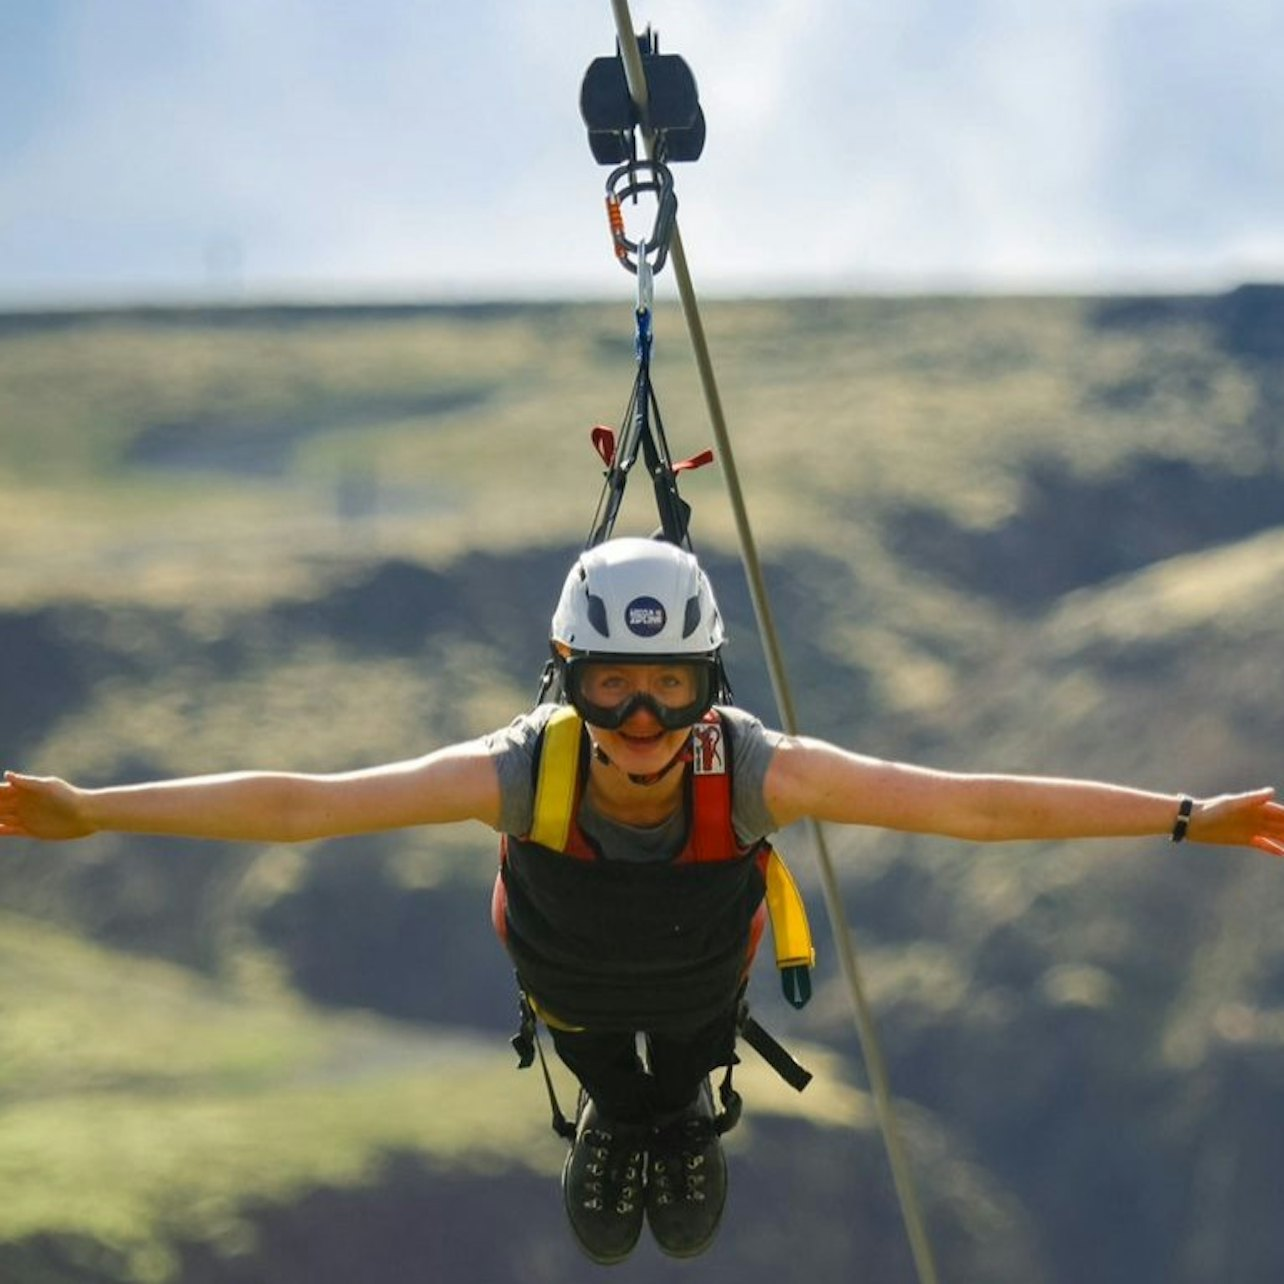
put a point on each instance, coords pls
(1010, 533)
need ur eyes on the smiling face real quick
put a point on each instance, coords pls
(640, 746)
(629, 705)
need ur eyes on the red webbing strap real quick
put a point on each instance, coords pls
(696, 461)
(603, 439)
(712, 836)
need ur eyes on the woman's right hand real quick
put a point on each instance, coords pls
(41, 807)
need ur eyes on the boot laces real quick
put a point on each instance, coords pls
(615, 1169)
(678, 1161)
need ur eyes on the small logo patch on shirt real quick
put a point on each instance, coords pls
(707, 756)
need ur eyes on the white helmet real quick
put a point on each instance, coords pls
(637, 599)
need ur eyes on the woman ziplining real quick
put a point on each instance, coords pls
(635, 805)
(603, 933)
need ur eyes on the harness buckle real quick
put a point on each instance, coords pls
(523, 1042)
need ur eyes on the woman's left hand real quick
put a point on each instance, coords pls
(1240, 820)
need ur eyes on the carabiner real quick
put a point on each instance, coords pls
(632, 180)
(645, 272)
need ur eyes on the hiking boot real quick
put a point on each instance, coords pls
(602, 1185)
(687, 1180)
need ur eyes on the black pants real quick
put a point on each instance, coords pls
(625, 1089)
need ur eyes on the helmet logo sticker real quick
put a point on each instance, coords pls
(645, 616)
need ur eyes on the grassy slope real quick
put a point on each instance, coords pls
(838, 409)
(331, 444)
(141, 1107)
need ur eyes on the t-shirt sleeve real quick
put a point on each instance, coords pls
(513, 750)
(752, 746)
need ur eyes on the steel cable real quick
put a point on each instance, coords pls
(844, 938)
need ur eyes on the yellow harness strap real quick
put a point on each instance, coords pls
(790, 929)
(556, 785)
(558, 780)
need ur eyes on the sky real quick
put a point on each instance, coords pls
(193, 150)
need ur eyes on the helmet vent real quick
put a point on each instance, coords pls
(691, 622)
(597, 614)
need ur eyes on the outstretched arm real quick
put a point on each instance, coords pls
(456, 783)
(812, 778)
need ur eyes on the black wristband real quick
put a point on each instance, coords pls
(1182, 824)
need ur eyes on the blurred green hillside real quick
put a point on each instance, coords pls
(1019, 534)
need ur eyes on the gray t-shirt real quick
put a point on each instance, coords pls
(752, 746)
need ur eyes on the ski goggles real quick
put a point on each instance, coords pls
(606, 693)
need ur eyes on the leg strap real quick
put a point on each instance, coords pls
(766, 1046)
(528, 1045)
(732, 1105)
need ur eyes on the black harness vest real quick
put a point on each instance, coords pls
(613, 944)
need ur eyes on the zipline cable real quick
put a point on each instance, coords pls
(871, 1046)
